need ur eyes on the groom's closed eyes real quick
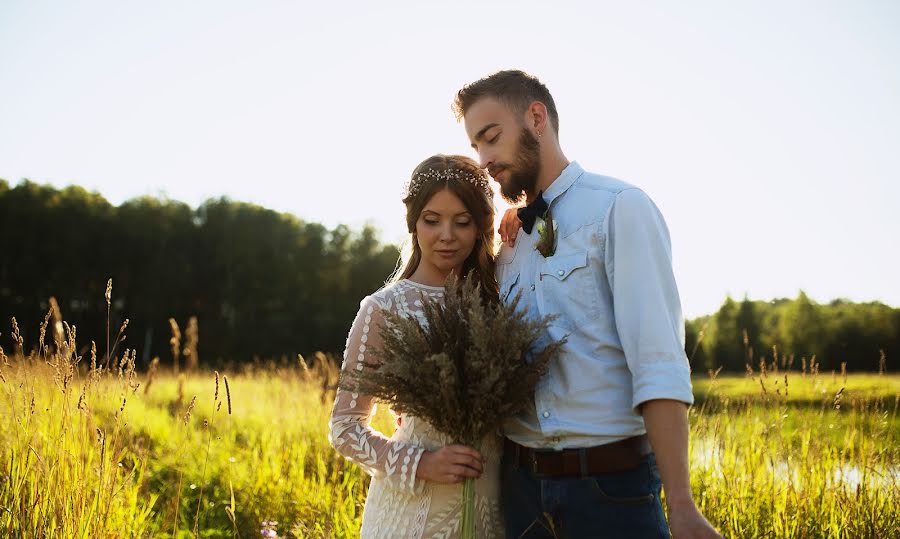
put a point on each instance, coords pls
(486, 134)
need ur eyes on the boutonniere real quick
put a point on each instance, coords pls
(546, 227)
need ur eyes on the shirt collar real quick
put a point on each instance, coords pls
(562, 183)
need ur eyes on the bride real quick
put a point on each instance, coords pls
(417, 473)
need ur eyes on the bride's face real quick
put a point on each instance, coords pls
(446, 233)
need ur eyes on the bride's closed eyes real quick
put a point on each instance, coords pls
(433, 219)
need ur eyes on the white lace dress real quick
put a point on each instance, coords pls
(400, 505)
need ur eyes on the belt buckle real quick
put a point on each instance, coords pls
(533, 464)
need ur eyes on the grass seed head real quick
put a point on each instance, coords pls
(17, 336)
(227, 393)
(190, 408)
(175, 342)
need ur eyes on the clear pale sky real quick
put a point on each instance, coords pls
(767, 132)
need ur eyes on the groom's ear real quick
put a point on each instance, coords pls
(537, 118)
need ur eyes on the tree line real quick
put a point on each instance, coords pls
(260, 283)
(263, 284)
(797, 333)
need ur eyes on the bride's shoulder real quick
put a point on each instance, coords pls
(402, 297)
(387, 296)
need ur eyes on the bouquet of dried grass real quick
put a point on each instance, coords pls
(466, 369)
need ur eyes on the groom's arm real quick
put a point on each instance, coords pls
(667, 427)
(650, 325)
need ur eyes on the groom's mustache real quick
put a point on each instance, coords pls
(493, 170)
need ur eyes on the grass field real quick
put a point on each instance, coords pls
(86, 453)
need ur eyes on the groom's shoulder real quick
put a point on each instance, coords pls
(601, 185)
(593, 194)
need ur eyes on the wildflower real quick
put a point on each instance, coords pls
(269, 528)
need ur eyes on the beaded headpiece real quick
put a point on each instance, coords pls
(477, 179)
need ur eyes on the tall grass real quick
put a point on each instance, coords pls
(798, 456)
(87, 451)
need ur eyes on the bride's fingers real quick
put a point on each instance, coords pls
(471, 462)
(466, 450)
(464, 471)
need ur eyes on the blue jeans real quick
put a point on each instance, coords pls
(613, 505)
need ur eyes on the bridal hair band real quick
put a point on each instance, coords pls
(478, 180)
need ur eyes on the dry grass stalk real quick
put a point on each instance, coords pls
(128, 372)
(227, 393)
(108, 297)
(16, 337)
(305, 373)
(838, 398)
(95, 371)
(192, 338)
(120, 338)
(175, 343)
(151, 374)
(56, 318)
(42, 333)
(328, 373)
(190, 408)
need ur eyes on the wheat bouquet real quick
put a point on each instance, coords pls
(465, 369)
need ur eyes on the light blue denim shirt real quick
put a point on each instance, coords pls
(611, 285)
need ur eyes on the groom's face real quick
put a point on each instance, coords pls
(506, 148)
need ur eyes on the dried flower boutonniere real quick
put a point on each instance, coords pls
(546, 228)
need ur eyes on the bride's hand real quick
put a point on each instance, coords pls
(509, 226)
(450, 464)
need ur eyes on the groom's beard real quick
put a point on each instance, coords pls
(523, 173)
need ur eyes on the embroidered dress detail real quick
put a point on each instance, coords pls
(400, 505)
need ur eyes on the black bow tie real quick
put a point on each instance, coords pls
(529, 213)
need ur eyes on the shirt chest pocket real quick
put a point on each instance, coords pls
(566, 289)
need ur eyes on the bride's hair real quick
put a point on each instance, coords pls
(461, 176)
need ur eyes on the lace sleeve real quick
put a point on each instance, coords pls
(350, 434)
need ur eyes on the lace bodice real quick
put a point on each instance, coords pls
(400, 504)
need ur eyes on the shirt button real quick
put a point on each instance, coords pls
(546, 414)
(560, 273)
(532, 287)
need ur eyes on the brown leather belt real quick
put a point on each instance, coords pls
(584, 462)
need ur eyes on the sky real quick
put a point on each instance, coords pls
(767, 132)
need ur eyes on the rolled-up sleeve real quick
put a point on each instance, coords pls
(646, 305)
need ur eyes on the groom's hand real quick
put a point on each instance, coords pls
(509, 226)
(450, 464)
(686, 522)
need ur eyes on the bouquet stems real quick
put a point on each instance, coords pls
(467, 526)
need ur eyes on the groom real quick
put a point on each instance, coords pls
(609, 424)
